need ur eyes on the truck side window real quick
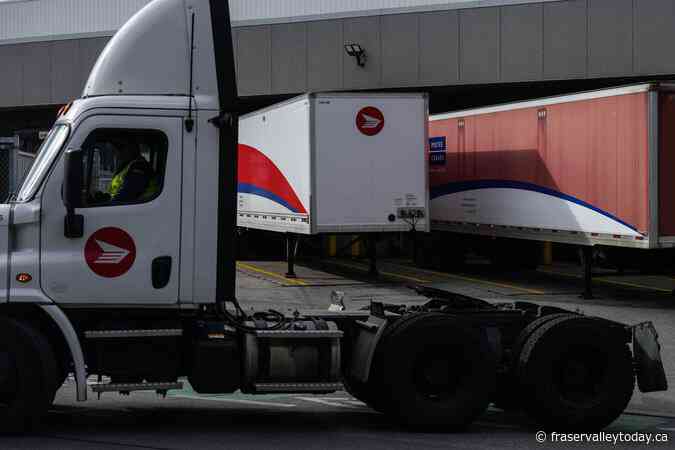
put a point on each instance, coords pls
(123, 166)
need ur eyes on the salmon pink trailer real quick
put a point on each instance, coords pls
(592, 168)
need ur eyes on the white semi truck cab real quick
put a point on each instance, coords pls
(139, 286)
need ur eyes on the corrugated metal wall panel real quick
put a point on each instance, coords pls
(244, 10)
(564, 40)
(31, 19)
(37, 18)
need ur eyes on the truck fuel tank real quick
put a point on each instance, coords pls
(302, 357)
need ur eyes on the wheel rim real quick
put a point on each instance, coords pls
(581, 374)
(8, 378)
(435, 376)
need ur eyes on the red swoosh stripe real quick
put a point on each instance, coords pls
(257, 170)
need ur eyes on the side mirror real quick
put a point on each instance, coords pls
(72, 179)
(72, 193)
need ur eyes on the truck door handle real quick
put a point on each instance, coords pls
(161, 271)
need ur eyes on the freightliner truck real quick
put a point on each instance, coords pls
(140, 294)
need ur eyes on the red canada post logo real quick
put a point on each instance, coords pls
(110, 252)
(370, 121)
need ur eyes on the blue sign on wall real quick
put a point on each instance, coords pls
(437, 147)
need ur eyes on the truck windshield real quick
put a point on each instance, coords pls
(45, 156)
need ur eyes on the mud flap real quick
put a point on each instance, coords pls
(367, 337)
(647, 357)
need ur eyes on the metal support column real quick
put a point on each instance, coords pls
(413, 235)
(291, 251)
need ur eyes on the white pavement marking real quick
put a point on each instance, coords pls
(326, 402)
(235, 400)
(498, 425)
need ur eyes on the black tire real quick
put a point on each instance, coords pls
(28, 376)
(575, 373)
(370, 391)
(61, 377)
(434, 370)
(507, 396)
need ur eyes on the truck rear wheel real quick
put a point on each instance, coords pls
(370, 391)
(575, 373)
(27, 376)
(507, 396)
(433, 370)
(361, 391)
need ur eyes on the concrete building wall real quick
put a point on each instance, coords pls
(561, 40)
(46, 73)
(553, 40)
(54, 19)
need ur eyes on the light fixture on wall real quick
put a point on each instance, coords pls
(357, 52)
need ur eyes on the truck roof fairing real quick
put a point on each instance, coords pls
(150, 55)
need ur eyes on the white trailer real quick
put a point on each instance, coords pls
(335, 163)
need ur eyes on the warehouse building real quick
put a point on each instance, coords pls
(463, 52)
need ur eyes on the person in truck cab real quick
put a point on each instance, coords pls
(133, 179)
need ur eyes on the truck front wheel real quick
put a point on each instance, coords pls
(27, 376)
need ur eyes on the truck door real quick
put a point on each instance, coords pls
(129, 253)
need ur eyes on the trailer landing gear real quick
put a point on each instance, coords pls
(372, 255)
(587, 262)
(291, 252)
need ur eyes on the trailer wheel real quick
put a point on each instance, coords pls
(575, 373)
(28, 376)
(434, 370)
(506, 395)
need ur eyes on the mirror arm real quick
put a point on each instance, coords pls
(73, 226)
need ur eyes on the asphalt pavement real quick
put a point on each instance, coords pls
(186, 420)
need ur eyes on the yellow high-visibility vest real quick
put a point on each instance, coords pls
(118, 180)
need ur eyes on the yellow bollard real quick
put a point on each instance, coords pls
(547, 253)
(332, 245)
(356, 248)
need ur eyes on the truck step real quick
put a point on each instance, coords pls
(121, 334)
(129, 387)
(297, 387)
(300, 334)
